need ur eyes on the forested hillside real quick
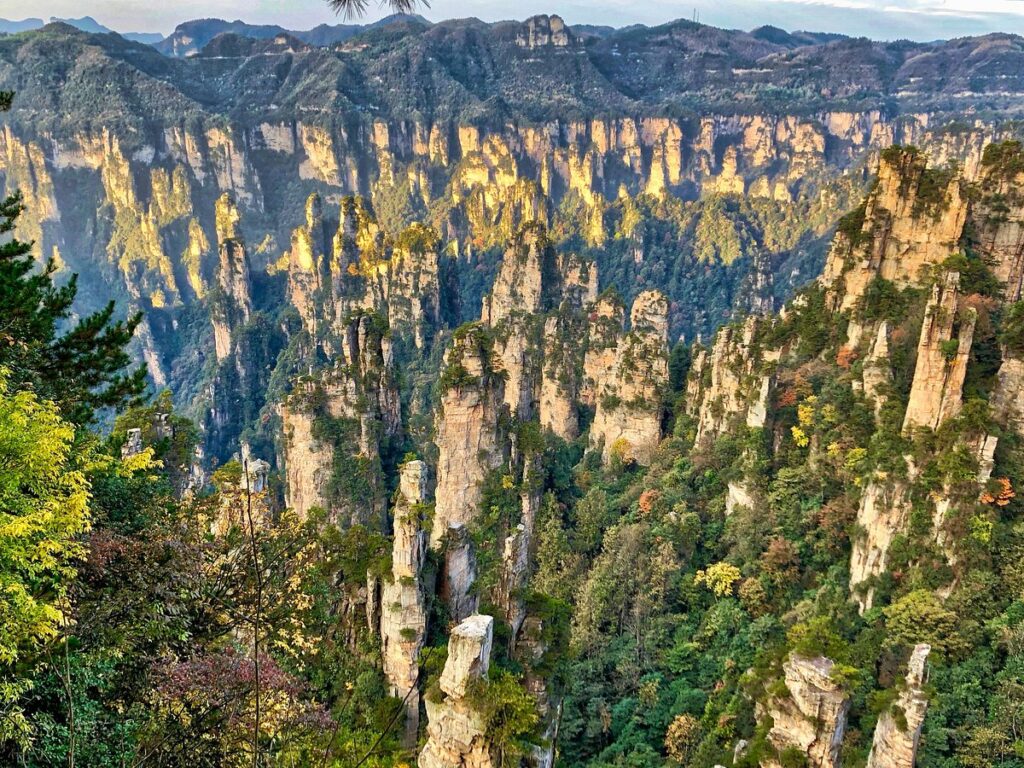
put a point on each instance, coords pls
(618, 439)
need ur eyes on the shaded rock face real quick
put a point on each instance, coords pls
(943, 352)
(534, 307)
(998, 219)
(913, 219)
(470, 434)
(724, 384)
(1008, 397)
(813, 717)
(403, 620)
(629, 394)
(540, 31)
(899, 728)
(232, 306)
(456, 735)
(335, 426)
(884, 511)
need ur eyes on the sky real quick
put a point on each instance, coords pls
(879, 19)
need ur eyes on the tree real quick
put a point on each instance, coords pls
(681, 737)
(43, 509)
(81, 370)
(354, 8)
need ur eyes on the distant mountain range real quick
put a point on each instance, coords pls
(86, 24)
(190, 37)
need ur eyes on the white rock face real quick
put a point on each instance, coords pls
(883, 513)
(403, 623)
(895, 743)
(469, 438)
(813, 717)
(455, 731)
(936, 392)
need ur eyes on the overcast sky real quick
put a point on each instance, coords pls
(915, 19)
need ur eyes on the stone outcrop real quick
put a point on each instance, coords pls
(534, 306)
(543, 30)
(456, 736)
(629, 395)
(899, 727)
(913, 219)
(403, 623)
(877, 373)
(883, 513)
(726, 384)
(1008, 396)
(472, 442)
(998, 219)
(470, 437)
(335, 423)
(231, 306)
(812, 718)
(943, 352)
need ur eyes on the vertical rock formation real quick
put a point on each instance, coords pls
(812, 718)
(471, 442)
(335, 426)
(604, 327)
(899, 727)
(877, 373)
(883, 513)
(543, 31)
(403, 624)
(998, 218)
(231, 307)
(470, 432)
(561, 374)
(308, 268)
(914, 218)
(942, 355)
(726, 384)
(456, 736)
(628, 416)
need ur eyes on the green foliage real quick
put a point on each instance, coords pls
(43, 510)
(509, 712)
(80, 370)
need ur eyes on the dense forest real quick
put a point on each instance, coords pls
(401, 521)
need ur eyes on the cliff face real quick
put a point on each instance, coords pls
(629, 394)
(403, 625)
(899, 728)
(456, 729)
(913, 219)
(812, 718)
(727, 384)
(335, 426)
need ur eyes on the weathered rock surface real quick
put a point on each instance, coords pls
(813, 717)
(470, 436)
(725, 385)
(334, 425)
(629, 395)
(899, 728)
(913, 219)
(883, 513)
(943, 352)
(456, 736)
(403, 624)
